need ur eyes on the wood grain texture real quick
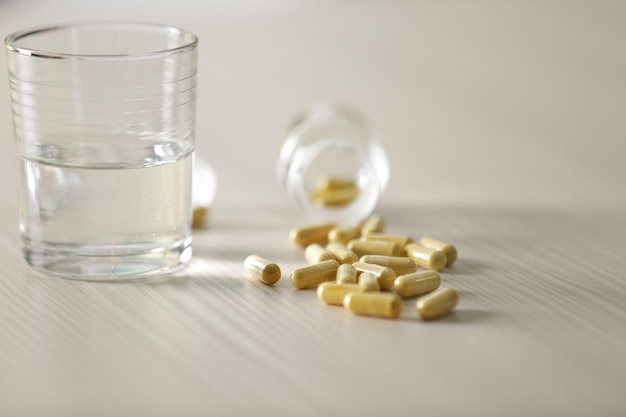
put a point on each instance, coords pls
(540, 329)
(504, 127)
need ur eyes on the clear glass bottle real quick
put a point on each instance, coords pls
(332, 165)
(204, 186)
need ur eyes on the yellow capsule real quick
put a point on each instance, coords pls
(200, 215)
(373, 304)
(342, 253)
(438, 303)
(426, 257)
(402, 241)
(384, 275)
(417, 283)
(346, 274)
(376, 247)
(333, 198)
(316, 233)
(313, 275)
(344, 234)
(327, 183)
(332, 293)
(262, 269)
(369, 282)
(315, 253)
(373, 224)
(400, 264)
(448, 249)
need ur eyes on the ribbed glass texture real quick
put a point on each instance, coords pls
(104, 117)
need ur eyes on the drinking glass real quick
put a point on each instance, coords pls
(104, 117)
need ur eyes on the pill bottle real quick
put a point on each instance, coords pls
(332, 165)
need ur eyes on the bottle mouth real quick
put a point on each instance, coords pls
(334, 180)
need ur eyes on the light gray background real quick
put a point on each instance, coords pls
(497, 103)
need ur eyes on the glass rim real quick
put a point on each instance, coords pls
(11, 41)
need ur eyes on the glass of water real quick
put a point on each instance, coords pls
(104, 117)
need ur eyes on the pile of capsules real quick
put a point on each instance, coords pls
(372, 271)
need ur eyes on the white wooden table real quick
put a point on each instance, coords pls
(514, 113)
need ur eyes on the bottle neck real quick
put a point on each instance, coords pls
(352, 183)
(333, 143)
